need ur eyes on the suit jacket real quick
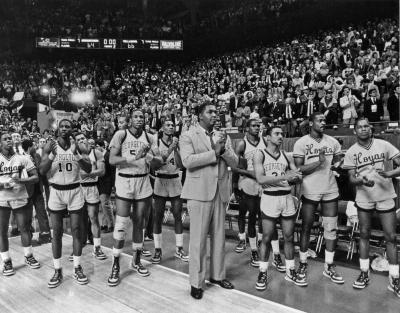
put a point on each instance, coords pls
(373, 116)
(393, 105)
(203, 171)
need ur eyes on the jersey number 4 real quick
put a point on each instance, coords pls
(68, 167)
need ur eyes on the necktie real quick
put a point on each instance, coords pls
(310, 108)
(210, 135)
(288, 112)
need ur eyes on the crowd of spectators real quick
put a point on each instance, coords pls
(344, 74)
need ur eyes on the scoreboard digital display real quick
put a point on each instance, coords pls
(108, 43)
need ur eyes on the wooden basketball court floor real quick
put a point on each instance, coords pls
(165, 290)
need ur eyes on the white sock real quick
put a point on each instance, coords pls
(242, 236)
(28, 251)
(364, 265)
(117, 252)
(329, 257)
(289, 266)
(144, 231)
(157, 241)
(96, 242)
(5, 255)
(394, 270)
(77, 261)
(57, 263)
(259, 236)
(137, 246)
(303, 257)
(275, 246)
(179, 240)
(263, 266)
(253, 243)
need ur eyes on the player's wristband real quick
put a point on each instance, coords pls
(51, 156)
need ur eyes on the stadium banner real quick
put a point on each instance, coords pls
(108, 43)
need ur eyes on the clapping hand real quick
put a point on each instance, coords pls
(367, 182)
(322, 157)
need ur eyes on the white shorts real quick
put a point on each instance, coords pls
(317, 198)
(380, 206)
(91, 194)
(71, 199)
(274, 206)
(168, 187)
(13, 204)
(133, 188)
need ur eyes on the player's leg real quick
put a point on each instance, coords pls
(93, 212)
(241, 246)
(5, 213)
(23, 217)
(277, 260)
(253, 207)
(307, 215)
(388, 220)
(56, 218)
(107, 211)
(77, 244)
(139, 216)
(330, 225)
(364, 222)
(176, 208)
(122, 220)
(259, 222)
(158, 216)
(269, 225)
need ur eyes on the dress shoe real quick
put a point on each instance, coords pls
(223, 283)
(196, 293)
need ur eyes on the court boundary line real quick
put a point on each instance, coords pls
(242, 293)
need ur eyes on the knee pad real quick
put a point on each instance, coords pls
(120, 227)
(330, 227)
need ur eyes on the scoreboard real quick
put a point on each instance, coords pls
(108, 43)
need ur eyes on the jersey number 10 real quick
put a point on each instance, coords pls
(68, 167)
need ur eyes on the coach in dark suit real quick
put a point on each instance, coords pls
(373, 107)
(206, 156)
(393, 104)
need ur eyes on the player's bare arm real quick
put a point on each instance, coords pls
(393, 173)
(241, 169)
(359, 180)
(312, 167)
(48, 155)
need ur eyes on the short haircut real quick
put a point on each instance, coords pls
(168, 119)
(359, 119)
(26, 144)
(248, 123)
(202, 106)
(65, 120)
(269, 130)
(80, 133)
(314, 115)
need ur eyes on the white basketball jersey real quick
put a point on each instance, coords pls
(15, 166)
(170, 163)
(247, 184)
(85, 176)
(276, 167)
(65, 169)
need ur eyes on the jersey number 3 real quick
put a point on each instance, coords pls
(68, 167)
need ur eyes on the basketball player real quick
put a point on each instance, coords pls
(62, 162)
(314, 155)
(89, 182)
(168, 186)
(16, 171)
(365, 161)
(132, 151)
(274, 172)
(250, 196)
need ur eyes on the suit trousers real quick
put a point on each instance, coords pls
(206, 217)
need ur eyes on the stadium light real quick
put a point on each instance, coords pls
(45, 91)
(82, 97)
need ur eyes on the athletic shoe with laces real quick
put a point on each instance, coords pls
(330, 272)
(71, 257)
(302, 270)
(254, 259)
(113, 279)
(181, 254)
(241, 246)
(157, 256)
(31, 261)
(99, 254)
(146, 252)
(79, 276)
(294, 278)
(394, 285)
(277, 262)
(56, 280)
(138, 266)
(8, 268)
(261, 283)
(362, 281)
